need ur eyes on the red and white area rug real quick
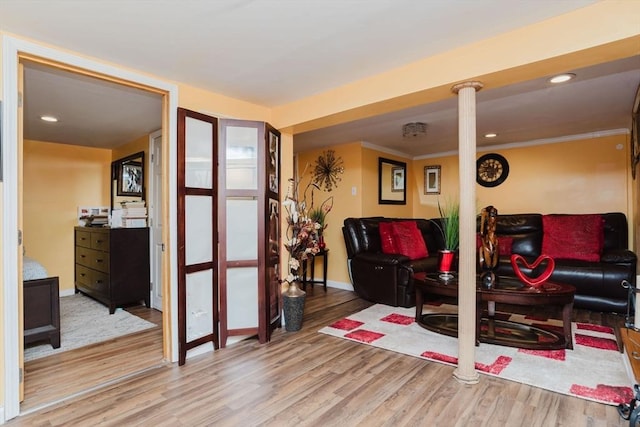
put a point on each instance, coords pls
(594, 370)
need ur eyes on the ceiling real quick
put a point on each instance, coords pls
(272, 52)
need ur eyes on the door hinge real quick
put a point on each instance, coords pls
(20, 375)
(19, 99)
(19, 237)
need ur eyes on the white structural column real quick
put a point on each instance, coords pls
(465, 372)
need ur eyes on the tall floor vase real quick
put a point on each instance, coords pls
(293, 305)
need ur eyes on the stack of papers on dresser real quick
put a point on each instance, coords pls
(132, 215)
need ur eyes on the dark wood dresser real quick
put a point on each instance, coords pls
(112, 265)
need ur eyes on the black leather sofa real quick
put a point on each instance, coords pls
(387, 278)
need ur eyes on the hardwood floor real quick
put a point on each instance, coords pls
(59, 376)
(310, 379)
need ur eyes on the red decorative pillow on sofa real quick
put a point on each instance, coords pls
(578, 237)
(504, 244)
(408, 239)
(387, 240)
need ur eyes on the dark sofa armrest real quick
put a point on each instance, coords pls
(383, 259)
(617, 256)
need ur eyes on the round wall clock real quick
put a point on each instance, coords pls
(491, 170)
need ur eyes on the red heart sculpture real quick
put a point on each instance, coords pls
(533, 281)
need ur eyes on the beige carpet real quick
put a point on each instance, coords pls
(593, 370)
(84, 321)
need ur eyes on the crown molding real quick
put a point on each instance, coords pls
(535, 142)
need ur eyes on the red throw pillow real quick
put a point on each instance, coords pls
(504, 244)
(387, 240)
(578, 237)
(408, 239)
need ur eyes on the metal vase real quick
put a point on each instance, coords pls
(445, 264)
(293, 304)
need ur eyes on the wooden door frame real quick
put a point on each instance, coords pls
(153, 202)
(13, 50)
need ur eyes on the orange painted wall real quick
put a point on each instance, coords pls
(370, 205)
(361, 174)
(582, 176)
(345, 202)
(57, 179)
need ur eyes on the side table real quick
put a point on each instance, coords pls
(324, 254)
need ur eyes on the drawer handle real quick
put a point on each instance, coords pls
(99, 241)
(82, 274)
(99, 260)
(98, 282)
(83, 256)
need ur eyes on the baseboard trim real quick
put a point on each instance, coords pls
(339, 285)
(67, 292)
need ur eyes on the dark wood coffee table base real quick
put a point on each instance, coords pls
(495, 331)
(501, 332)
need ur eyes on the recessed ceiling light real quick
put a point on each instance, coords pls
(49, 119)
(561, 78)
(490, 135)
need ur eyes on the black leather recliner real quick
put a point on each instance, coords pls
(385, 278)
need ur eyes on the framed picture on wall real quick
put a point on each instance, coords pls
(130, 179)
(397, 179)
(432, 179)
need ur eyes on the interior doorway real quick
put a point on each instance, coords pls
(14, 51)
(62, 158)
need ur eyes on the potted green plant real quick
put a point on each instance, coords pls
(319, 216)
(449, 227)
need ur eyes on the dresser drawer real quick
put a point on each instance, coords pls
(84, 256)
(83, 238)
(93, 282)
(100, 283)
(93, 259)
(100, 241)
(83, 275)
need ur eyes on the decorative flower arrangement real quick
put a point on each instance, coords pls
(302, 236)
(306, 222)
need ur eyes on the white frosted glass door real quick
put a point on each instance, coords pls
(199, 310)
(242, 158)
(242, 297)
(198, 213)
(248, 215)
(242, 229)
(198, 153)
(197, 232)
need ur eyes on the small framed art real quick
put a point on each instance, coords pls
(432, 179)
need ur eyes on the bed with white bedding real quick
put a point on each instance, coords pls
(41, 296)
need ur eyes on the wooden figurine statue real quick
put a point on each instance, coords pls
(489, 253)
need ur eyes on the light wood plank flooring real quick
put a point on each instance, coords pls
(59, 376)
(311, 379)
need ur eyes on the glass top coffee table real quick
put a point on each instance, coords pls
(489, 329)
